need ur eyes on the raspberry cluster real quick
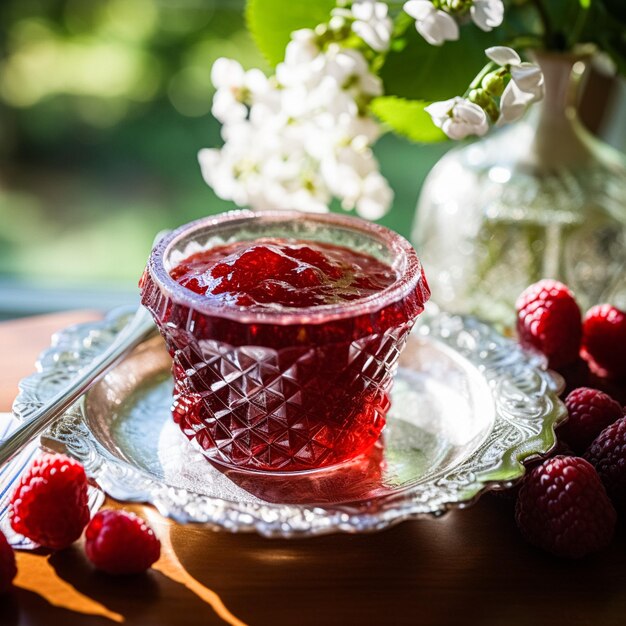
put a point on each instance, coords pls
(567, 504)
(549, 320)
(50, 506)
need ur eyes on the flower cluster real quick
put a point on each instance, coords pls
(301, 137)
(371, 22)
(437, 21)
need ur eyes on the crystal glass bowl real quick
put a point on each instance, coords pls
(285, 388)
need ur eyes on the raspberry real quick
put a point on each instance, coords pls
(548, 319)
(118, 542)
(604, 340)
(49, 505)
(590, 411)
(8, 569)
(563, 508)
(608, 455)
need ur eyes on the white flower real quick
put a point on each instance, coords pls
(299, 138)
(525, 87)
(503, 56)
(234, 89)
(458, 118)
(302, 59)
(513, 104)
(351, 71)
(218, 169)
(333, 82)
(372, 24)
(344, 170)
(487, 14)
(258, 169)
(434, 25)
(348, 68)
(376, 197)
(226, 74)
(352, 175)
(302, 47)
(527, 76)
(228, 77)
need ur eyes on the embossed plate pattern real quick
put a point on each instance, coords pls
(468, 407)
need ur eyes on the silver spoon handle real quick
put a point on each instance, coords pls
(135, 332)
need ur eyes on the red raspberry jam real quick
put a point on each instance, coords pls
(284, 349)
(271, 273)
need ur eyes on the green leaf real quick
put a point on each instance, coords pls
(271, 22)
(585, 4)
(424, 72)
(407, 118)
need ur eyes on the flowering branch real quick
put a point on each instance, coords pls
(437, 21)
(304, 136)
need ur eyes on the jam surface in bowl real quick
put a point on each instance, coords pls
(280, 273)
(284, 348)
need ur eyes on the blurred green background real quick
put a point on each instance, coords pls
(104, 106)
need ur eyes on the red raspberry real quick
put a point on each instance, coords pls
(118, 542)
(604, 340)
(590, 411)
(49, 504)
(548, 319)
(563, 508)
(8, 569)
(608, 455)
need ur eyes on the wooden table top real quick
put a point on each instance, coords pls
(471, 566)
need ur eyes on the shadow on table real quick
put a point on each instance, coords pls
(26, 607)
(470, 567)
(141, 600)
(10, 609)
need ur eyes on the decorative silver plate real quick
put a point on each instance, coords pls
(468, 406)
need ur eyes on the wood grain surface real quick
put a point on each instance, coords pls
(470, 567)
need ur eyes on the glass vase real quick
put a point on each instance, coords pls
(542, 198)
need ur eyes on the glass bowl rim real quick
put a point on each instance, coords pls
(407, 280)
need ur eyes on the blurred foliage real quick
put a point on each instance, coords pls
(271, 22)
(103, 107)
